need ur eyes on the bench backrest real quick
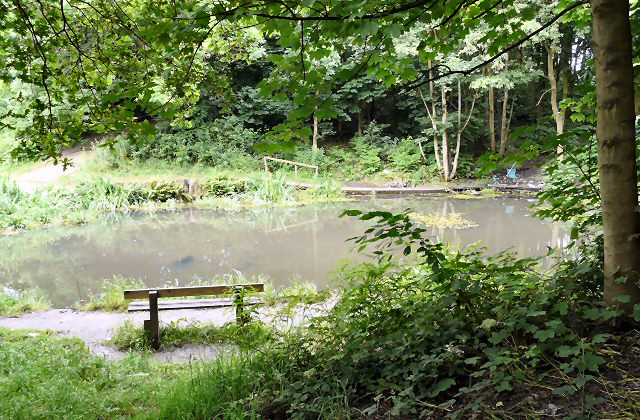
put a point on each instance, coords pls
(223, 289)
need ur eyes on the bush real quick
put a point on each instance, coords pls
(405, 156)
(111, 296)
(223, 187)
(367, 156)
(224, 143)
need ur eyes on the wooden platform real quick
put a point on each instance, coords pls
(168, 305)
(421, 190)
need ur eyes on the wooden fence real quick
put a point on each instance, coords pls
(289, 162)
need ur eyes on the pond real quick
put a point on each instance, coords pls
(283, 244)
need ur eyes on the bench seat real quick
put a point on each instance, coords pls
(168, 305)
(153, 305)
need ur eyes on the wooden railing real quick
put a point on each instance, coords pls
(290, 162)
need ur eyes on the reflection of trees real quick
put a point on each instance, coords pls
(68, 261)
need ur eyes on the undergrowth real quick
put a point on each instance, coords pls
(178, 333)
(19, 302)
(89, 201)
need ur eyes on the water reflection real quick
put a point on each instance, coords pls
(281, 243)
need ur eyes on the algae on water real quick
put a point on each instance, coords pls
(451, 220)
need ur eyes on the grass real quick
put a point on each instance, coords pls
(15, 303)
(111, 297)
(92, 200)
(178, 333)
(44, 377)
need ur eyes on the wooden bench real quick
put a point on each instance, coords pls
(153, 306)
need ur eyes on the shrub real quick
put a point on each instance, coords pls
(165, 191)
(222, 187)
(367, 156)
(405, 156)
(223, 143)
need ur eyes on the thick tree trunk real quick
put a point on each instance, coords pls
(492, 114)
(617, 149)
(504, 123)
(445, 140)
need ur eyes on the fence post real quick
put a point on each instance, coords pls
(266, 168)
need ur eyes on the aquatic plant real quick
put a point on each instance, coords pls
(450, 220)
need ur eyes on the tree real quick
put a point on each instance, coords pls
(125, 52)
(617, 159)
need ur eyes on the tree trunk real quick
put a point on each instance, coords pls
(504, 128)
(445, 141)
(454, 166)
(434, 124)
(492, 114)
(558, 114)
(617, 149)
(360, 118)
(314, 141)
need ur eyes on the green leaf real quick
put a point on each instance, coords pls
(544, 335)
(441, 386)
(623, 298)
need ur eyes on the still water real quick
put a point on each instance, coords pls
(283, 244)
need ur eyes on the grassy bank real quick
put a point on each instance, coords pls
(90, 201)
(19, 302)
(496, 339)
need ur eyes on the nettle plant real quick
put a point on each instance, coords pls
(453, 331)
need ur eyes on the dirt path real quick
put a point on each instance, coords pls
(49, 174)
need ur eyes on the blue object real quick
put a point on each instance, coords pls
(511, 173)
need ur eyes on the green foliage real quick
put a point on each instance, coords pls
(178, 333)
(222, 187)
(165, 191)
(455, 329)
(405, 157)
(111, 297)
(272, 189)
(367, 156)
(19, 302)
(224, 143)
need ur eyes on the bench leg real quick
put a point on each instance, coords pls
(153, 323)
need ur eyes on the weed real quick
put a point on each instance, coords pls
(111, 297)
(178, 333)
(18, 302)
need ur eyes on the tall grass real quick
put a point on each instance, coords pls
(18, 302)
(111, 296)
(273, 189)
